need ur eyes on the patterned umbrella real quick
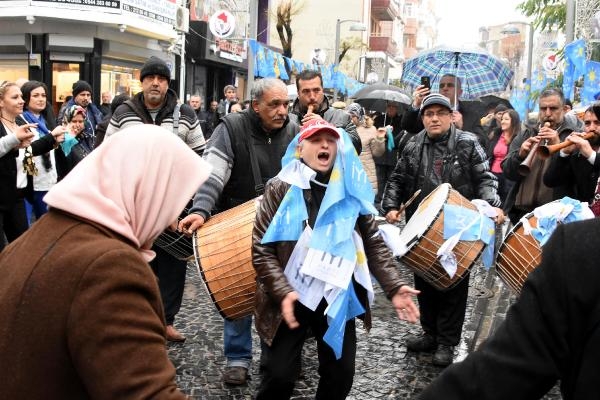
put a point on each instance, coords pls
(480, 72)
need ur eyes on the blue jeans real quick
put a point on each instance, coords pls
(237, 342)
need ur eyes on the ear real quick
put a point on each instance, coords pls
(254, 104)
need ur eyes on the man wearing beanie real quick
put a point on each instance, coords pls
(441, 153)
(158, 105)
(82, 96)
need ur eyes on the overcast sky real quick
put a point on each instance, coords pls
(460, 20)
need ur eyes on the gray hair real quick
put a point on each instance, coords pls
(263, 85)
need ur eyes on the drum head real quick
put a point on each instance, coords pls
(429, 208)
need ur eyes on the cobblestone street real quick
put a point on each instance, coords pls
(384, 369)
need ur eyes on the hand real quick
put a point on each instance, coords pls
(420, 92)
(500, 217)
(583, 145)
(24, 133)
(392, 216)
(190, 224)
(287, 310)
(59, 133)
(457, 118)
(405, 307)
(527, 145)
(548, 134)
(310, 117)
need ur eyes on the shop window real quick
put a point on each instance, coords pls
(118, 79)
(64, 74)
(11, 70)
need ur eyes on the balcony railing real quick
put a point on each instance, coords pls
(384, 10)
(382, 43)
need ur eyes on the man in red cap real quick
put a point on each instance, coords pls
(289, 300)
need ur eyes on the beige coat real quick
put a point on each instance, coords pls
(371, 146)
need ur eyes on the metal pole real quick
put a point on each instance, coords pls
(529, 66)
(336, 54)
(253, 29)
(182, 68)
(570, 22)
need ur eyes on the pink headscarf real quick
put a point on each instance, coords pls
(136, 184)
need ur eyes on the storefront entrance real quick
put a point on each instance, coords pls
(64, 74)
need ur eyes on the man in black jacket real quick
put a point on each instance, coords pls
(466, 115)
(266, 127)
(440, 154)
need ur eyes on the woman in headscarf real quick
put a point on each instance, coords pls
(80, 310)
(76, 146)
(373, 141)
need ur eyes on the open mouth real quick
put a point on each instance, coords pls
(323, 156)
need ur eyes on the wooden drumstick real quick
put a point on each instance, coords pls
(409, 202)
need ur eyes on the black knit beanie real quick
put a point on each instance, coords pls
(81, 86)
(155, 66)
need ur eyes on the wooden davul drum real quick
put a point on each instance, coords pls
(176, 243)
(222, 249)
(518, 255)
(424, 234)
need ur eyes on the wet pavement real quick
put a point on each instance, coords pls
(384, 368)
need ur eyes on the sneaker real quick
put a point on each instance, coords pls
(424, 343)
(443, 355)
(235, 375)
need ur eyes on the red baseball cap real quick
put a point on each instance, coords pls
(317, 125)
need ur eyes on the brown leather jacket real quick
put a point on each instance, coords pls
(270, 260)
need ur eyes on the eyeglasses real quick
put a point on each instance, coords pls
(447, 85)
(439, 114)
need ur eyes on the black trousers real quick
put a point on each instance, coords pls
(443, 313)
(170, 272)
(282, 361)
(383, 173)
(13, 222)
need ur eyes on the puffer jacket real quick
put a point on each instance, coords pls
(270, 259)
(465, 167)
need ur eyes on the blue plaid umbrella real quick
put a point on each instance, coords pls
(480, 72)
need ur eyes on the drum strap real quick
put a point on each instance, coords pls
(258, 185)
(176, 114)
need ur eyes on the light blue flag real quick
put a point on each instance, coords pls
(270, 63)
(547, 225)
(475, 226)
(591, 83)
(345, 308)
(287, 221)
(326, 74)
(68, 144)
(518, 99)
(568, 86)
(575, 52)
(281, 66)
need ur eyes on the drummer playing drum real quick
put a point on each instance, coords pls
(440, 153)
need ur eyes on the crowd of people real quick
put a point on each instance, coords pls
(96, 224)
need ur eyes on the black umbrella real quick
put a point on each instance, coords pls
(492, 101)
(376, 86)
(379, 99)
